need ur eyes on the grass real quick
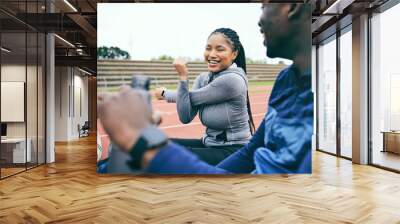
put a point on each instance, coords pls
(264, 83)
(174, 87)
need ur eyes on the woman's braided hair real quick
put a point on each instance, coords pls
(240, 61)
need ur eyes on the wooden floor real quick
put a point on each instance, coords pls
(5, 172)
(70, 191)
(10, 171)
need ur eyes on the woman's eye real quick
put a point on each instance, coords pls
(220, 49)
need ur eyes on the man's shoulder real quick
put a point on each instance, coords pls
(284, 73)
(282, 79)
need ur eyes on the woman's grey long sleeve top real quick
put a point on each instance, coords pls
(221, 103)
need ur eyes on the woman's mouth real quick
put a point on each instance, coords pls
(213, 62)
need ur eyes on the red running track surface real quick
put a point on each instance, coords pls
(175, 129)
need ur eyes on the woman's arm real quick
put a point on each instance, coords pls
(170, 96)
(186, 111)
(221, 89)
(163, 93)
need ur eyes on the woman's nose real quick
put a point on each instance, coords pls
(213, 53)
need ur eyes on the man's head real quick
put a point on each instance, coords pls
(284, 27)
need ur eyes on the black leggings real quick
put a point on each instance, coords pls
(211, 155)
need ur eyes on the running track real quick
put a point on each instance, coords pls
(175, 129)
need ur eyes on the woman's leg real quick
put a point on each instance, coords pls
(214, 155)
(210, 155)
(188, 143)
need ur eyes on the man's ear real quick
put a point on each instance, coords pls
(295, 11)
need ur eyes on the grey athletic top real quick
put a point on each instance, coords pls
(221, 103)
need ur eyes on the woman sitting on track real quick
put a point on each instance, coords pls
(219, 95)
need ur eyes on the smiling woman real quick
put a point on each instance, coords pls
(219, 53)
(219, 96)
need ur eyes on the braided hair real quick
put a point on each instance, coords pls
(240, 61)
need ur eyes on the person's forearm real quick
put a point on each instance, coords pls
(170, 96)
(220, 90)
(186, 111)
(183, 77)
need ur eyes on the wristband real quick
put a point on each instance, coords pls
(150, 138)
(137, 153)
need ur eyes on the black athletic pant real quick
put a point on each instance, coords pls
(211, 155)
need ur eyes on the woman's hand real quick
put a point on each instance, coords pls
(158, 93)
(180, 66)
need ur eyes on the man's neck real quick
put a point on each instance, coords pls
(302, 61)
(302, 46)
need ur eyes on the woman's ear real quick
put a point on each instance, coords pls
(235, 54)
(295, 11)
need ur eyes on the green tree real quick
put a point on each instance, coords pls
(104, 52)
(165, 57)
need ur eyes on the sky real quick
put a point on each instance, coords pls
(148, 30)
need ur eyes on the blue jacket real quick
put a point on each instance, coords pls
(281, 144)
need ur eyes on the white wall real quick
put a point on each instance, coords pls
(61, 103)
(80, 110)
(71, 93)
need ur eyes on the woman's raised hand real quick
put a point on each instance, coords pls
(180, 67)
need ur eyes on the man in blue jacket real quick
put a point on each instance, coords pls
(282, 142)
